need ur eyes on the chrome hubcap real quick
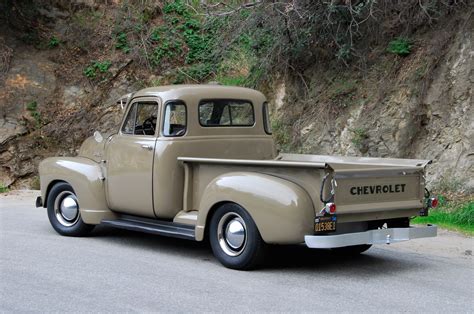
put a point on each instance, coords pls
(232, 234)
(235, 233)
(69, 208)
(66, 208)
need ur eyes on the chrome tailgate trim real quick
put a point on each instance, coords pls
(378, 236)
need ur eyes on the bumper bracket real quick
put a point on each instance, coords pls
(39, 202)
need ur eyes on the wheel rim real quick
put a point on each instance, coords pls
(232, 234)
(66, 208)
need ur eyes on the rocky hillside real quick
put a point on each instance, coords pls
(367, 78)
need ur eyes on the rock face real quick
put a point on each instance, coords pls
(419, 106)
(426, 113)
(29, 81)
(448, 135)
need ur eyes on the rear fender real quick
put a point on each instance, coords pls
(282, 210)
(86, 178)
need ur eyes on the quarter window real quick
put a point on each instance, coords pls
(141, 119)
(266, 119)
(175, 119)
(226, 113)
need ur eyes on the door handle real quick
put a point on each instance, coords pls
(147, 147)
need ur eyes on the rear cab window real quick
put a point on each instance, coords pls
(226, 112)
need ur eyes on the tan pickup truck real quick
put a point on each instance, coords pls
(198, 162)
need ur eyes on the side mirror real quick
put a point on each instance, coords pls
(98, 137)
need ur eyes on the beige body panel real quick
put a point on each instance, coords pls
(282, 210)
(168, 180)
(86, 178)
(130, 172)
(212, 181)
(130, 160)
(356, 163)
(183, 179)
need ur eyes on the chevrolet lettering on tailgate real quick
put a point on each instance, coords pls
(378, 189)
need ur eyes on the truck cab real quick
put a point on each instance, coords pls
(198, 162)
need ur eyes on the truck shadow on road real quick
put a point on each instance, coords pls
(281, 257)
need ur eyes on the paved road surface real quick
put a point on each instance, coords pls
(118, 271)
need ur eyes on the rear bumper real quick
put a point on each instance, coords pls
(379, 236)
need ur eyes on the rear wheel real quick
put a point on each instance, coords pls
(235, 239)
(63, 211)
(351, 250)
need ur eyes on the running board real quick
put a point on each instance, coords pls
(165, 228)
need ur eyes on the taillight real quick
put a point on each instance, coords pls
(433, 202)
(330, 208)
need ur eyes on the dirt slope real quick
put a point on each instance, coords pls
(416, 106)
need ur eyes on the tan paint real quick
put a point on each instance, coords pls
(84, 175)
(226, 164)
(130, 169)
(282, 210)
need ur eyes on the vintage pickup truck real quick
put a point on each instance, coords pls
(198, 162)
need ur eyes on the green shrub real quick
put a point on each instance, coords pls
(32, 108)
(232, 80)
(177, 6)
(185, 36)
(281, 133)
(400, 46)
(452, 214)
(89, 71)
(199, 71)
(122, 42)
(360, 135)
(100, 66)
(53, 42)
(3, 189)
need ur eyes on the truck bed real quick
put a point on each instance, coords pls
(365, 188)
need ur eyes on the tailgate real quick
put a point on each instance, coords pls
(378, 189)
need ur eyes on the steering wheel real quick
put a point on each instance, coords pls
(149, 124)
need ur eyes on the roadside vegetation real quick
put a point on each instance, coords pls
(455, 214)
(4, 189)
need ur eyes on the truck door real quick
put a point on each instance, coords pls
(129, 156)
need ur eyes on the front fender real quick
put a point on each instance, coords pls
(282, 210)
(84, 175)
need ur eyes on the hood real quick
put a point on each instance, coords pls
(92, 149)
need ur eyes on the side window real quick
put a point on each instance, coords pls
(175, 119)
(141, 119)
(226, 113)
(129, 125)
(266, 119)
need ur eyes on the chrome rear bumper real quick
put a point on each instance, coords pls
(378, 236)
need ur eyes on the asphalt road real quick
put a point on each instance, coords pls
(124, 271)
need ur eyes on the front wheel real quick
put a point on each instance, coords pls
(235, 239)
(63, 212)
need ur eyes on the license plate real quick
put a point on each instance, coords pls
(325, 224)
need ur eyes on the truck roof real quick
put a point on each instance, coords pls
(202, 91)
